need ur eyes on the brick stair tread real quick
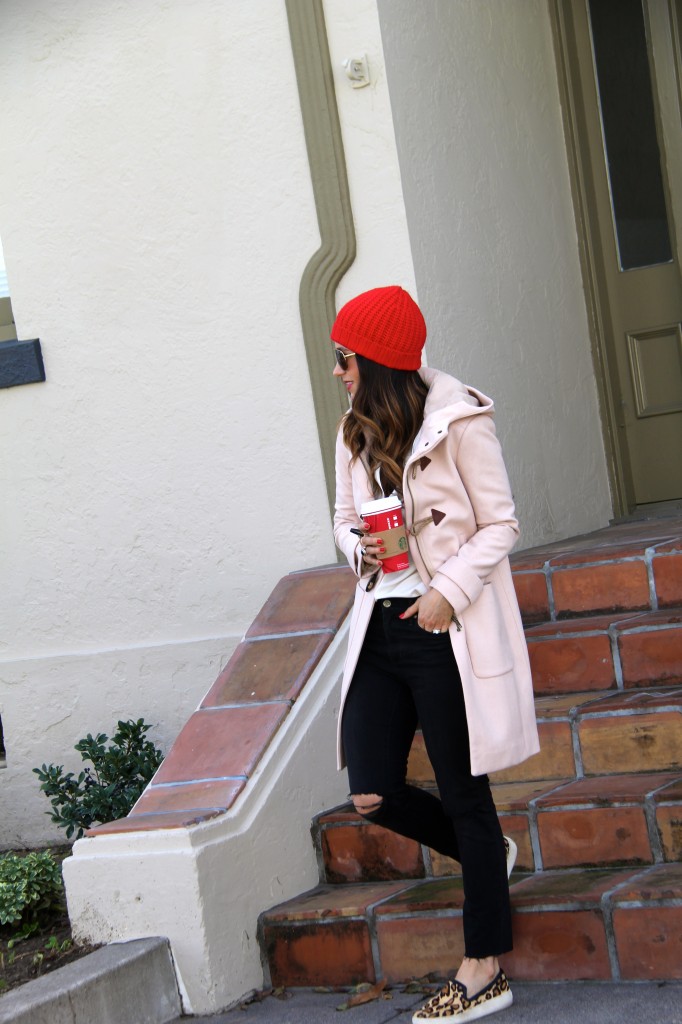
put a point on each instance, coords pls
(626, 539)
(632, 717)
(595, 790)
(612, 572)
(604, 702)
(573, 706)
(585, 887)
(600, 821)
(597, 891)
(326, 901)
(622, 622)
(569, 924)
(601, 790)
(607, 820)
(643, 725)
(598, 651)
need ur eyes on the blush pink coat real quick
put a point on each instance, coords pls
(461, 526)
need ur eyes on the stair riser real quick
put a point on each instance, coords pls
(583, 661)
(649, 942)
(651, 657)
(363, 852)
(590, 836)
(572, 664)
(669, 822)
(556, 759)
(631, 743)
(625, 584)
(605, 789)
(550, 944)
(330, 954)
(668, 581)
(614, 744)
(594, 837)
(610, 586)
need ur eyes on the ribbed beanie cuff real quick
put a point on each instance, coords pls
(385, 325)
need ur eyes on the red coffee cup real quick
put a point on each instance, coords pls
(385, 518)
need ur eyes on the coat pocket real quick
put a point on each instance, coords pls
(486, 635)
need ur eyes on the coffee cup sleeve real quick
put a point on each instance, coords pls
(395, 542)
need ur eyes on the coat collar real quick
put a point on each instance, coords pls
(448, 400)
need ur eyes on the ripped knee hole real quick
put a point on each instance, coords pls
(367, 804)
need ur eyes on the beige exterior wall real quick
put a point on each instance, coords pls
(156, 215)
(204, 887)
(383, 244)
(485, 177)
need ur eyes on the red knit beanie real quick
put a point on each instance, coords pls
(385, 325)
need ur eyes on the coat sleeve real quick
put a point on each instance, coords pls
(481, 468)
(345, 515)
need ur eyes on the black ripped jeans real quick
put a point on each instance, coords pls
(405, 676)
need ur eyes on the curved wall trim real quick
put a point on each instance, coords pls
(336, 253)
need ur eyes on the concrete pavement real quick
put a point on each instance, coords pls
(134, 983)
(587, 1002)
(123, 983)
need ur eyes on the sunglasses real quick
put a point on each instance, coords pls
(342, 358)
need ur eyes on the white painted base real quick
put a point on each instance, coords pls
(80, 692)
(204, 887)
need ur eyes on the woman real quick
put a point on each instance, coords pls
(441, 642)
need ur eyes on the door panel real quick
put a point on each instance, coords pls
(622, 59)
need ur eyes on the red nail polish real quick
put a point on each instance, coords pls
(402, 616)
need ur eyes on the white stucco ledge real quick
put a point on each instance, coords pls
(198, 872)
(123, 982)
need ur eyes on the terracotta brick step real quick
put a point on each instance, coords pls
(600, 732)
(568, 925)
(632, 567)
(605, 641)
(599, 821)
(603, 651)
(624, 819)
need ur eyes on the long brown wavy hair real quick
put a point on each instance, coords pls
(387, 412)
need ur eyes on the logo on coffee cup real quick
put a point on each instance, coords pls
(385, 518)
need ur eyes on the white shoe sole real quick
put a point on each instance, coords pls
(500, 1002)
(512, 851)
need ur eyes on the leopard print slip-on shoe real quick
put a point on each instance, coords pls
(452, 1002)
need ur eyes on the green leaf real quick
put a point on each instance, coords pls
(30, 890)
(109, 785)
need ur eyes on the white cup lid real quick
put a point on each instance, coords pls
(380, 505)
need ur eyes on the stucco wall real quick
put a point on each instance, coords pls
(383, 243)
(204, 886)
(485, 178)
(156, 215)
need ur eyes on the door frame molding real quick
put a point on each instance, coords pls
(584, 206)
(328, 264)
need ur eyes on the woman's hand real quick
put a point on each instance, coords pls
(371, 546)
(434, 613)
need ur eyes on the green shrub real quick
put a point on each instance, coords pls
(31, 889)
(108, 789)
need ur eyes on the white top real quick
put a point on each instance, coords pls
(404, 582)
